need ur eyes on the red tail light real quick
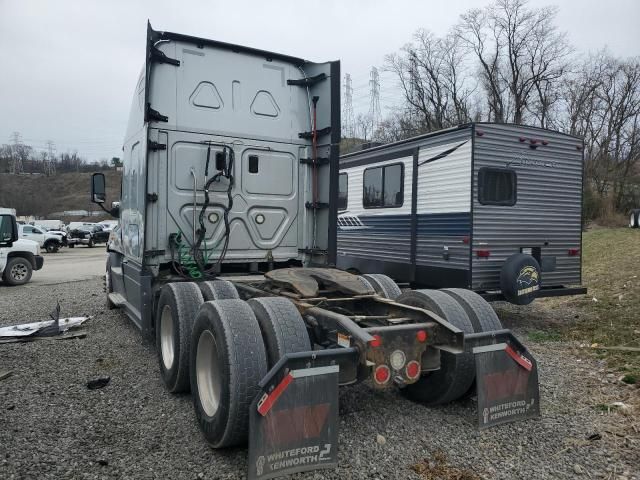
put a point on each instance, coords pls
(483, 253)
(574, 252)
(382, 374)
(479, 133)
(376, 342)
(466, 239)
(413, 369)
(522, 139)
(421, 336)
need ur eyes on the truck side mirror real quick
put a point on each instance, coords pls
(8, 230)
(98, 190)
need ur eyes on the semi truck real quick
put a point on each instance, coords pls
(18, 257)
(225, 255)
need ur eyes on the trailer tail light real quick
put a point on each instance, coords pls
(376, 341)
(413, 370)
(382, 374)
(522, 139)
(574, 252)
(479, 133)
(483, 253)
(466, 239)
(421, 336)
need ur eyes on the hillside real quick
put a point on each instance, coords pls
(40, 195)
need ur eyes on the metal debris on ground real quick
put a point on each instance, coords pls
(99, 382)
(47, 328)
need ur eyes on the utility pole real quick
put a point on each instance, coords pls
(17, 166)
(374, 105)
(348, 119)
(50, 162)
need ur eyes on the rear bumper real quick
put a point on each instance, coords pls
(39, 262)
(543, 292)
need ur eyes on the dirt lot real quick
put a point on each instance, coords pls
(52, 426)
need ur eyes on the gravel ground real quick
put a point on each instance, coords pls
(52, 426)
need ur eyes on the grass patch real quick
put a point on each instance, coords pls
(609, 315)
(630, 379)
(540, 336)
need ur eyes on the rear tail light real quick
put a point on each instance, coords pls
(466, 239)
(376, 341)
(413, 369)
(574, 252)
(397, 359)
(483, 253)
(421, 336)
(382, 374)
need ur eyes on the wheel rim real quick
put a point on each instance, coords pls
(19, 271)
(208, 373)
(166, 337)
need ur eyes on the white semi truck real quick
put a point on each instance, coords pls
(225, 254)
(18, 257)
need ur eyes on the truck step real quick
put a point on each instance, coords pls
(117, 299)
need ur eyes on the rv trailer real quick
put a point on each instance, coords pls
(494, 208)
(225, 255)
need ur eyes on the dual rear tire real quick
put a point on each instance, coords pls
(220, 347)
(467, 311)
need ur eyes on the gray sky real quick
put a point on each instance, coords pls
(68, 67)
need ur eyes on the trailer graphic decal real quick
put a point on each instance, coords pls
(528, 280)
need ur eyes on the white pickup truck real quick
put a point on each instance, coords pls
(49, 241)
(18, 257)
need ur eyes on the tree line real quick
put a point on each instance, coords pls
(510, 63)
(35, 161)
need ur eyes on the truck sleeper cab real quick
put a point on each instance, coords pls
(224, 254)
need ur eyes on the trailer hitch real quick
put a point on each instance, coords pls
(506, 378)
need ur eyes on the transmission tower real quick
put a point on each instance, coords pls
(16, 154)
(374, 106)
(50, 162)
(347, 110)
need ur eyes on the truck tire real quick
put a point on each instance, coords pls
(71, 245)
(482, 316)
(383, 285)
(51, 246)
(17, 271)
(520, 279)
(218, 290)
(283, 330)
(228, 359)
(634, 218)
(457, 371)
(90, 244)
(177, 307)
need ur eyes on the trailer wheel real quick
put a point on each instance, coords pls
(177, 308)
(283, 329)
(383, 285)
(457, 371)
(634, 219)
(520, 279)
(218, 290)
(482, 316)
(228, 360)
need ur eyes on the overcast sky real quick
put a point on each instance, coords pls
(68, 67)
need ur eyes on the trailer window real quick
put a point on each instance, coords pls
(497, 186)
(343, 189)
(383, 187)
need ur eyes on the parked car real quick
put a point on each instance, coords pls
(54, 231)
(108, 225)
(87, 235)
(18, 257)
(49, 241)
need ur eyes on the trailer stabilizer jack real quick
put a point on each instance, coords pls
(293, 422)
(506, 377)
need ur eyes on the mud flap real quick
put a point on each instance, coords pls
(293, 423)
(507, 382)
